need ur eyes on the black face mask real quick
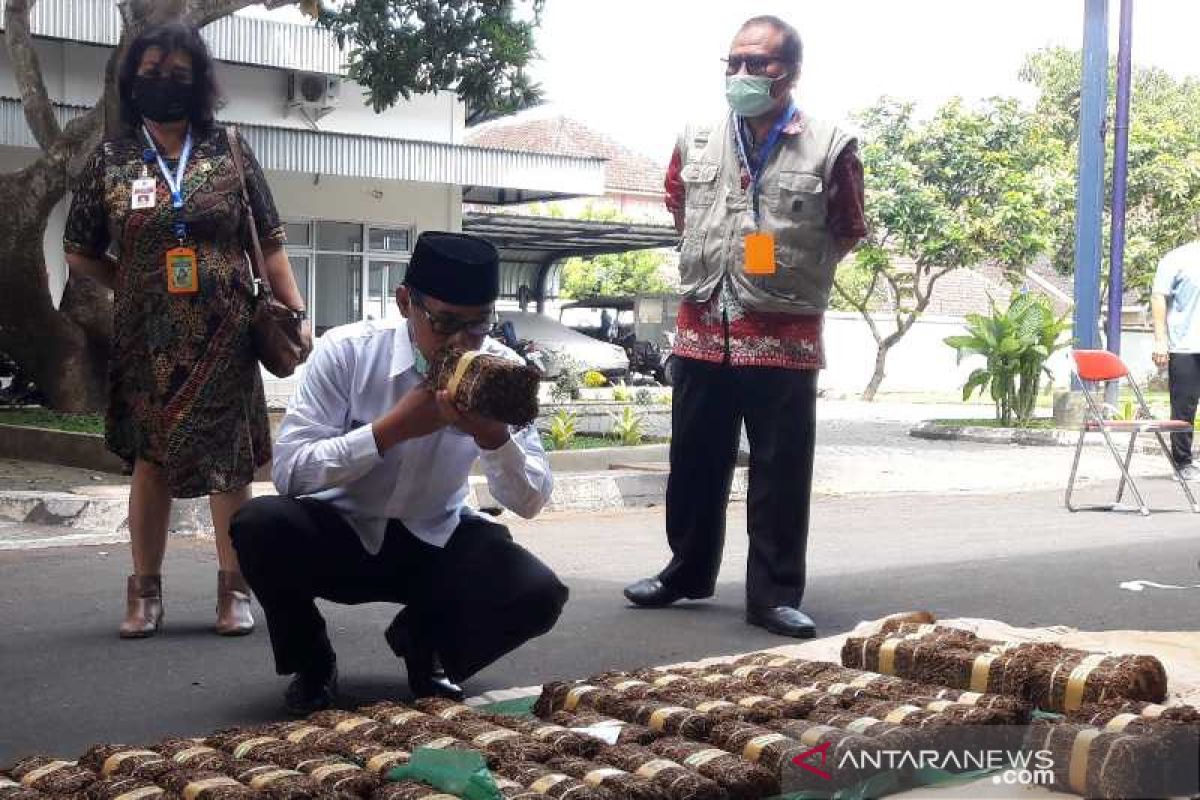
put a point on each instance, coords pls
(162, 99)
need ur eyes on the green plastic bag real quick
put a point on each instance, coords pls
(459, 772)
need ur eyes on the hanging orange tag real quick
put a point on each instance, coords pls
(183, 277)
(760, 253)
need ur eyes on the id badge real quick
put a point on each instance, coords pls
(759, 253)
(144, 193)
(183, 277)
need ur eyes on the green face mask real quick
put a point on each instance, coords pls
(750, 95)
(420, 362)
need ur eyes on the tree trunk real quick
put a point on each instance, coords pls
(881, 354)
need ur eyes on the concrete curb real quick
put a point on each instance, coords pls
(1055, 437)
(104, 513)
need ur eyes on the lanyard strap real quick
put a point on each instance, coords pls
(174, 182)
(765, 153)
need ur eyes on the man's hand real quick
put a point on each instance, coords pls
(1161, 356)
(488, 433)
(416, 414)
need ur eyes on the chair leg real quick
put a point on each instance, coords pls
(1187, 490)
(1128, 461)
(1116, 454)
(1075, 468)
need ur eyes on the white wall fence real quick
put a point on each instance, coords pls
(921, 362)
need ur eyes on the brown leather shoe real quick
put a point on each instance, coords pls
(233, 605)
(143, 606)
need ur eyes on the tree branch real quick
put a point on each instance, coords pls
(202, 12)
(27, 70)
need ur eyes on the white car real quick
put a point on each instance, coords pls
(560, 343)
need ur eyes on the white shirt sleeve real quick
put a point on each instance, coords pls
(316, 449)
(1164, 277)
(518, 473)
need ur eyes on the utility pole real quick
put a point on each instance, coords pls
(1116, 253)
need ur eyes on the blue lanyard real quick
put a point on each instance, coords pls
(174, 182)
(765, 154)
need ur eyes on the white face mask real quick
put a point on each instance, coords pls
(750, 95)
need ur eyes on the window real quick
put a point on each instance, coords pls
(348, 271)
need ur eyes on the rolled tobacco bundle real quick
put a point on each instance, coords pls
(1075, 677)
(513, 790)
(1102, 713)
(196, 784)
(1102, 764)
(543, 780)
(409, 790)
(618, 731)
(502, 743)
(564, 741)
(347, 722)
(619, 782)
(489, 385)
(742, 779)
(775, 752)
(322, 740)
(51, 775)
(679, 782)
(119, 759)
(123, 787)
(665, 717)
(276, 782)
(193, 754)
(11, 790)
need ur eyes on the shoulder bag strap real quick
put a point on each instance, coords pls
(257, 261)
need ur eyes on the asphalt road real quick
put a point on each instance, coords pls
(67, 681)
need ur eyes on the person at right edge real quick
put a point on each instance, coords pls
(768, 200)
(1175, 308)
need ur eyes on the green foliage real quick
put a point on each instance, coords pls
(1163, 197)
(562, 429)
(627, 426)
(568, 383)
(613, 274)
(1016, 342)
(621, 394)
(477, 48)
(594, 380)
(643, 397)
(43, 418)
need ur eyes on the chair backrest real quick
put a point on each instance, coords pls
(1098, 365)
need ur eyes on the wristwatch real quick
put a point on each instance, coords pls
(300, 314)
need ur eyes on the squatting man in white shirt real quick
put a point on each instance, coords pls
(371, 468)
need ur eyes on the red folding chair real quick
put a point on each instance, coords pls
(1099, 366)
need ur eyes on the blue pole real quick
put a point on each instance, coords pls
(1116, 253)
(1089, 208)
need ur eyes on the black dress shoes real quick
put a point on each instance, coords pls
(311, 691)
(651, 593)
(782, 620)
(426, 677)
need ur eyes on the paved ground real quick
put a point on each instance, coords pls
(69, 682)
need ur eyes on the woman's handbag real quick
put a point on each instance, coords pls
(277, 332)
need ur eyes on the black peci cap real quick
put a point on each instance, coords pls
(456, 268)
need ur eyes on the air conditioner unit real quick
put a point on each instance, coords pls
(313, 93)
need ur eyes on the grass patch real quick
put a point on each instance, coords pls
(1038, 423)
(583, 441)
(43, 418)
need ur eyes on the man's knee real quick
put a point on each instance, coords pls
(257, 526)
(542, 603)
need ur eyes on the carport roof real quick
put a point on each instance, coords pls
(543, 240)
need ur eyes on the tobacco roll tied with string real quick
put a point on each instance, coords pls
(489, 385)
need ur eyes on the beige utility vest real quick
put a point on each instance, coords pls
(792, 207)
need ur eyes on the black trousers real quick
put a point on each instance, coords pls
(709, 403)
(476, 599)
(1183, 377)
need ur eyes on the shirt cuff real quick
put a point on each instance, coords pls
(505, 458)
(361, 446)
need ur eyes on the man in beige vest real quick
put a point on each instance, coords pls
(768, 200)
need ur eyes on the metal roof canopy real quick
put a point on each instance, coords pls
(547, 241)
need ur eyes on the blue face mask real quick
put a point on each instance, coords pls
(420, 362)
(750, 95)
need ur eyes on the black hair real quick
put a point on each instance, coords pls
(171, 37)
(792, 50)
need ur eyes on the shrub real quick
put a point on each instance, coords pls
(562, 429)
(621, 394)
(594, 380)
(643, 397)
(627, 426)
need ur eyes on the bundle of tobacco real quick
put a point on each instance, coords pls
(119, 759)
(489, 385)
(347, 722)
(778, 753)
(52, 776)
(1127, 710)
(564, 741)
(502, 743)
(1101, 764)
(11, 790)
(513, 790)
(196, 784)
(617, 781)
(254, 744)
(191, 753)
(886, 734)
(661, 716)
(448, 710)
(1177, 727)
(678, 781)
(125, 787)
(322, 740)
(737, 776)
(276, 782)
(543, 780)
(603, 726)
(333, 773)
(735, 698)
(409, 790)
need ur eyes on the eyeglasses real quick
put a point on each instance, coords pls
(755, 65)
(449, 324)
